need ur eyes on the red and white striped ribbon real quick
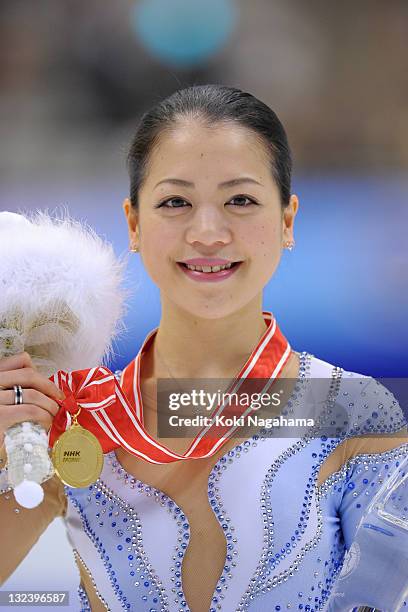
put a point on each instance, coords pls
(113, 412)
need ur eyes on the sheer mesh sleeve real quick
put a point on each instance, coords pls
(374, 461)
(377, 444)
(375, 449)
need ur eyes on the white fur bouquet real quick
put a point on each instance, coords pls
(62, 301)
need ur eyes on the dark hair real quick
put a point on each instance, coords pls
(211, 104)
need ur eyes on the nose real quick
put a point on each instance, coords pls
(207, 227)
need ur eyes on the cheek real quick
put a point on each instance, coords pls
(263, 241)
(160, 242)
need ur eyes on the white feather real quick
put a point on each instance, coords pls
(61, 294)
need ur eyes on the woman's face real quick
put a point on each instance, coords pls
(190, 208)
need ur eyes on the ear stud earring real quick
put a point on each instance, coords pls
(134, 249)
(289, 244)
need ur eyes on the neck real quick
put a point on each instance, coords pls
(193, 347)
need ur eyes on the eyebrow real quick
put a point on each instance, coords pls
(231, 183)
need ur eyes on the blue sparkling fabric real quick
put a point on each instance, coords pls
(286, 537)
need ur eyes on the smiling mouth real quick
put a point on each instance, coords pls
(209, 269)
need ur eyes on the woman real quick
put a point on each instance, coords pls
(257, 523)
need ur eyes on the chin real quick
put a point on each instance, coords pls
(212, 309)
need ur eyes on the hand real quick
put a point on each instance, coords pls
(39, 394)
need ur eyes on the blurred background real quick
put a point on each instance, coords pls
(75, 77)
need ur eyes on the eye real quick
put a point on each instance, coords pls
(177, 202)
(243, 197)
(166, 205)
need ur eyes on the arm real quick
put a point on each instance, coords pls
(377, 444)
(374, 570)
(371, 460)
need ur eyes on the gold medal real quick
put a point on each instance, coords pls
(77, 456)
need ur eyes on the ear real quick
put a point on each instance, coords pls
(132, 219)
(288, 217)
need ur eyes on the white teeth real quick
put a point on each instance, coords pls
(209, 268)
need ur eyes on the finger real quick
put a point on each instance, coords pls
(29, 378)
(15, 362)
(11, 415)
(30, 396)
(6, 397)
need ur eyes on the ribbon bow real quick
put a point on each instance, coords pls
(95, 391)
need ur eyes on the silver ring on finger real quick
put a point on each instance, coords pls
(18, 394)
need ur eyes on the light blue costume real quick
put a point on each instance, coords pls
(286, 537)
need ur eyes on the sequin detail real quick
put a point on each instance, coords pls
(260, 581)
(148, 581)
(183, 531)
(83, 600)
(260, 584)
(83, 597)
(364, 459)
(320, 589)
(215, 502)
